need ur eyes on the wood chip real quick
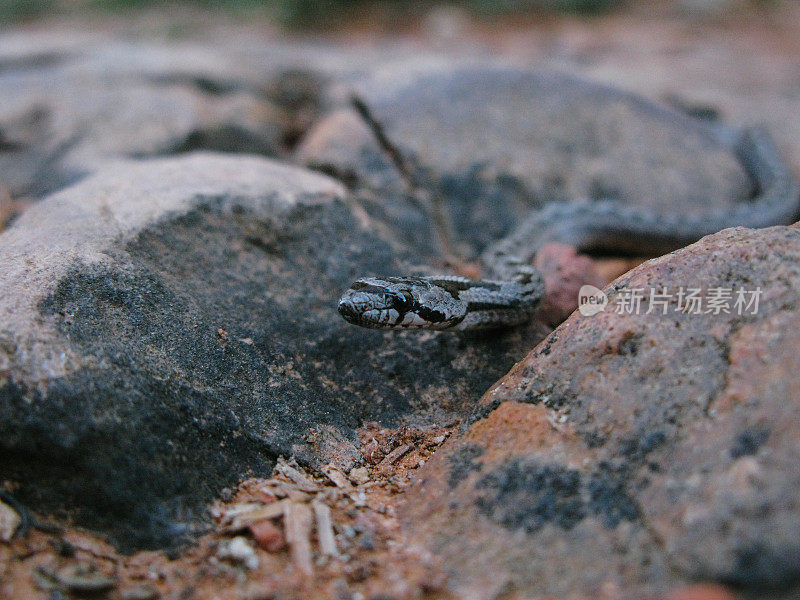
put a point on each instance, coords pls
(229, 512)
(393, 457)
(242, 520)
(302, 481)
(83, 578)
(298, 496)
(279, 489)
(338, 478)
(327, 541)
(297, 525)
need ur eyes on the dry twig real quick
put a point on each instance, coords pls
(327, 542)
(297, 523)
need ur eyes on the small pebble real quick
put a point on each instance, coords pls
(359, 475)
(268, 536)
(349, 531)
(84, 578)
(9, 522)
(240, 551)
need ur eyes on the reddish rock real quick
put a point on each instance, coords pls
(611, 268)
(564, 271)
(637, 452)
(268, 535)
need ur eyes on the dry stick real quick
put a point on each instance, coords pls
(297, 522)
(424, 196)
(338, 478)
(327, 543)
(242, 520)
(393, 457)
(304, 483)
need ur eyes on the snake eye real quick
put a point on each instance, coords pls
(404, 300)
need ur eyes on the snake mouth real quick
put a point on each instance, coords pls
(359, 310)
(349, 311)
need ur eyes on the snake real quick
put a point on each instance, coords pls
(513, 289)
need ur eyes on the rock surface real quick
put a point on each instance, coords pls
(564, 272)
(636, 452)
(68, 105)
(71, 100)
(170, 325)
(494, 142)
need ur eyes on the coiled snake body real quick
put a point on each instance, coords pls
(513, 290)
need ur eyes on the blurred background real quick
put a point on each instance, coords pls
(311, 14)
(251, 76)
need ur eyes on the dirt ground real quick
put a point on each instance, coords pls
(270, 539)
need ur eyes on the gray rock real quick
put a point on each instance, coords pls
(495, 142)
(344, 145)
(64, 110)
(69, 101)
(637, 452)
(169, 326)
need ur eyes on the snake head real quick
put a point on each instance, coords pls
(400, 303)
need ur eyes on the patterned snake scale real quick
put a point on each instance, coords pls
(513, 289)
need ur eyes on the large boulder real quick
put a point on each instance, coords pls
(169, 326)
(492, 142)
(636, 450)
